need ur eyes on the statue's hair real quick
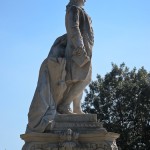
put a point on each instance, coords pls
(72, 2)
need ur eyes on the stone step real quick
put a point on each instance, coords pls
(76, 118)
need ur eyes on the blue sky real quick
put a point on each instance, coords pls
(28, 28)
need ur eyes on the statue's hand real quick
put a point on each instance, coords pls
(79, 51)
(80, 56)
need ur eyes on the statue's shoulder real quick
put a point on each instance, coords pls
(74, 8)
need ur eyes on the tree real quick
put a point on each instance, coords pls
(121, 99)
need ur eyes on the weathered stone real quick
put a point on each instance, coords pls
(85, 123)
(72, 135)
(77, 117)
(63, 76)
(66, 71)
(48, 141)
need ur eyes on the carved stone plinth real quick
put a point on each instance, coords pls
(72, 132)
(86, 123)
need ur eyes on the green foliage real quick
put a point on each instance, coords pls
(121, 99)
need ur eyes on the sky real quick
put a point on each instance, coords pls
(28, 29)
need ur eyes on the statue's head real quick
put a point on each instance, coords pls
(79, 3)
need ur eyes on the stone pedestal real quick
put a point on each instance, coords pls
(72, 132)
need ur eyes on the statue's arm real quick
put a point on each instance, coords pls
(74, 29)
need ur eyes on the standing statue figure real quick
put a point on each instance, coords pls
(78, 55)
(66, 71)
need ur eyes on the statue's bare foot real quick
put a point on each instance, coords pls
(65, 109)
(78, 112)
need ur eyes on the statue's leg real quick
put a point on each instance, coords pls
(77, 100)
(77, 105)
(65, 108)
(74, 93)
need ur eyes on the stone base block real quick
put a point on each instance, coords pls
(80, 123)
(72, 132)
(65, 141)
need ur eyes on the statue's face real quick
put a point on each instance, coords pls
(80, 2)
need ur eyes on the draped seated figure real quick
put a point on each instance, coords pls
(66, 71)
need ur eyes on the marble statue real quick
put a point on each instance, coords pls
(63, 76)
(66, 71)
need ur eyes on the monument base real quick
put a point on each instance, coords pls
(72, 132)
